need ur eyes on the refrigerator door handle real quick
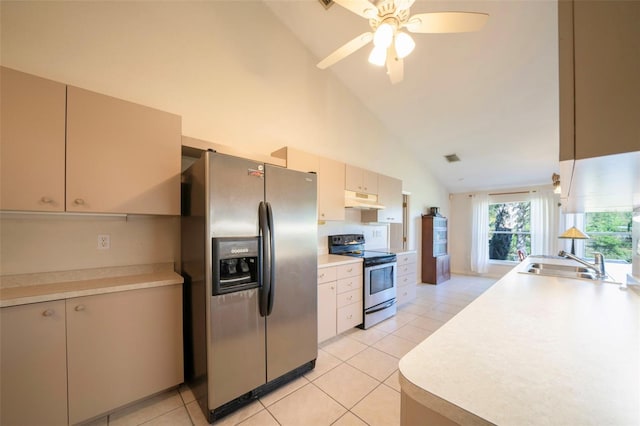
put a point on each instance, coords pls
(272, 266)
(265, 290)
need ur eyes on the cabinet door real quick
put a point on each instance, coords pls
(607, 77)
(326, 311)
(330, 189)
(369, 182)
(32, 142)
(122, 347)
(121, 157)
(360, 180)
(390, 196)
(33, 365)
(353, 178)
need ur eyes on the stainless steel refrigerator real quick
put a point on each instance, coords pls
(249, 258)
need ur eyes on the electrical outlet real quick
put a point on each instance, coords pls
(104, 242)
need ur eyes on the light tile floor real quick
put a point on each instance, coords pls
(355, 381)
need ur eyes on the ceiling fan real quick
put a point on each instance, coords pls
(388, 20)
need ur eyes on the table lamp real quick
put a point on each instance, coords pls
(574, 233)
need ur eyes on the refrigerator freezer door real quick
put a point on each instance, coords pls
(292, 326)
(236, 338)
(237, 349)
(236, 188)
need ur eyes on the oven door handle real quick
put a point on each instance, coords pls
(389, 304)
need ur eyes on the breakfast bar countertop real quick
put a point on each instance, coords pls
(533, 350)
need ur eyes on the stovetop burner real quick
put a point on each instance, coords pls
(353, 245)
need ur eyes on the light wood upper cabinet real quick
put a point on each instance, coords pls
(33, 364)
(599, 61)
(330, 189)
(296, 159)
(360, 180)
(121, 157)
(330, 179)
(390, 196)
(122, 347)
(32, 142)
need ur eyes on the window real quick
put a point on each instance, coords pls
(509, 230)
(610, 234)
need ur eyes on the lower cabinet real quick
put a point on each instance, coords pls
(103, 351)
(122, 347)
(406, 278)
(339, 299)
(436, 270)
(33, 364)
(326, 311)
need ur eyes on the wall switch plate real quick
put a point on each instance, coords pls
(104, 241)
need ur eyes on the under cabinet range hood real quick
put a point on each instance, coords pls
(358, 200)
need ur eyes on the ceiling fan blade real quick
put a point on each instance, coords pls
(446, 22)
(403, 4)
(395, 66)
(360, 7)
(346, 50)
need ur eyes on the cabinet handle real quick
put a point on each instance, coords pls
(350, 269)
(350, 297)
(46, 200)
(321, 275)
(78, 202)
(350, 316)
(333, 288)
(48, 313)
(322, 214)
(79, 308)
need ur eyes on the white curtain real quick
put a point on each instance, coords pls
(545, 214)
(480, 234)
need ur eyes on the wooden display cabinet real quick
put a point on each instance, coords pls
(435, 257)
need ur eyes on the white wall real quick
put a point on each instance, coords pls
(229, 68)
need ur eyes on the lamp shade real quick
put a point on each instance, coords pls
(574, 232)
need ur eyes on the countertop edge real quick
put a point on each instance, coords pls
(329, 260)
(61, 291)
(439, 405)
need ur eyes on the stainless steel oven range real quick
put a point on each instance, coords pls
(380, 270)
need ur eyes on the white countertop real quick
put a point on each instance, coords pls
(45, 287)
(328, 260)
(534, 350)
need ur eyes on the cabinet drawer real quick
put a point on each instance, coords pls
(348, 298)
(350, 270)
(326, 274)
(406, 294)
(349, 316)
(408, 279)
(406, 269)
(404, 259)
(348, 284)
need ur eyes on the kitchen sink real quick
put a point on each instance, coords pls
(554, 270)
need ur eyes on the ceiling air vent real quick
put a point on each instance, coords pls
(326, 3)
(452, 158)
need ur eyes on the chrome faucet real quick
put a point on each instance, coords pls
(597, 266)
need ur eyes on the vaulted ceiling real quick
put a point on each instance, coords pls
(491, 97)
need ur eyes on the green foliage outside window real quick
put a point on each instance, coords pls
(509, 230)
(610, 234)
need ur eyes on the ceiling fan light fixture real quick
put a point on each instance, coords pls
(383, 36)
(404, 44)
(378, 56)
